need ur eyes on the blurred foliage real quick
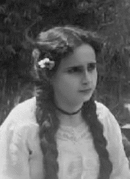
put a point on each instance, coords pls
(110, 18)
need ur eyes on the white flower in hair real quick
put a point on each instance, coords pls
(46, 63)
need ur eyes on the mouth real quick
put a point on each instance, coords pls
(85, 91)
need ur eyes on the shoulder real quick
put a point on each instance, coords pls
(18, 130)
(22, 113)
(21, 122)
(108, 120)
(26, 105)
(105, 115)
(101, 110)
(101, 107)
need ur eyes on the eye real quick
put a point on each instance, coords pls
(91, 66)
(75, 70)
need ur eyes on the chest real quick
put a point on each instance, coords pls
(77, 156)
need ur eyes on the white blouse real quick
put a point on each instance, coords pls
(21, 156)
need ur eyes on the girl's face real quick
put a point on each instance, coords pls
(76, 77)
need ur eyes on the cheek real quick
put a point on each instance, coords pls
(67, 84)
(60, 84)
(95, 77)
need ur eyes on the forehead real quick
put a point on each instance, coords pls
(81, 56)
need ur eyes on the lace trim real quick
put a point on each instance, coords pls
(73, 134)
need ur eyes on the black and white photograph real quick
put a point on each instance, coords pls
(65, 89)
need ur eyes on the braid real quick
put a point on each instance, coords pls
(96, 128)
(49, 124)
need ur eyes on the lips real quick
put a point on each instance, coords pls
(85, 90)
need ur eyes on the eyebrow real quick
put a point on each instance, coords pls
(80, 66)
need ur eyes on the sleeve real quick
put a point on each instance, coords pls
(14, 153)
(14, 149)
(115, 148)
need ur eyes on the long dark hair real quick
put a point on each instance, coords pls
(56, 44)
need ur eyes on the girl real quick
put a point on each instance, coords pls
(62, 133)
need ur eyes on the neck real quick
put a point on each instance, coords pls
(69, 106)
(69, 118)
(67, 112)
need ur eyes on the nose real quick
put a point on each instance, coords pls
(86, 79)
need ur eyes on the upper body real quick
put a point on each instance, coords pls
(63, 133)
(21, 156)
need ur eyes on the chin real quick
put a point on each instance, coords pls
(87, 98)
